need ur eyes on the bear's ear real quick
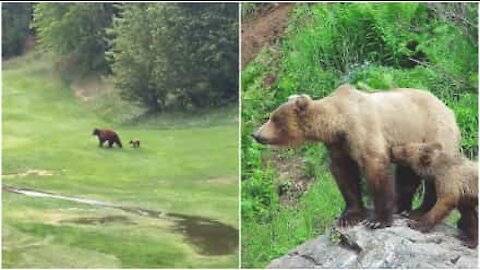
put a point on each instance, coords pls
(301, 103)
(436, 146)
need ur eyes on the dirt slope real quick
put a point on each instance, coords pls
(263, 29)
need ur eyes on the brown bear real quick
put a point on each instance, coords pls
(456, 185)
(358, 129)
(107, 135)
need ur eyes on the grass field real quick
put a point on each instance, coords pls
(190, 170)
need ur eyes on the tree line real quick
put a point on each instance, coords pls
(164, 56)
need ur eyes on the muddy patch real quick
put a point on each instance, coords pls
(32, 172)
(100, 220)
(293, 182)
(81, 94)
(262, 29)
(208, 236)
(86, 90)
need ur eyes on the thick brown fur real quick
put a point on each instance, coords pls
(107, 135)
(358, 129)
(456, 184)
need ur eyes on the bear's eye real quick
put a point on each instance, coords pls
(274, 119)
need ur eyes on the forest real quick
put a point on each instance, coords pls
(162, 57)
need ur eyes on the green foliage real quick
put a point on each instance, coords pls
(76, 32)
(176, 55)
(252, 9)
(15, 27)
(248, 9)
(369, 45)
(269, 230)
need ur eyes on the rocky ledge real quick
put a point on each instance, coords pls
(393, 247)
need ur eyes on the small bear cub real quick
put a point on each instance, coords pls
(135, 143)
(456, 183)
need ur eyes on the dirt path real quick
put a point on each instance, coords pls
(263, 29)
(211, 237)
(28, 173)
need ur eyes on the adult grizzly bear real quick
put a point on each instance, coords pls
(456, 185)
(358, 130)
(107, 135)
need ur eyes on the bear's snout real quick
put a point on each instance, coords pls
(259, 138)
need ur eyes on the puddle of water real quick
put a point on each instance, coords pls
(211, 237)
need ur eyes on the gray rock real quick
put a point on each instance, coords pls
(393, 247)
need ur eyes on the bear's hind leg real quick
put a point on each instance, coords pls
(110, 143)
(117, 141)
(347, 176)
(468, 223)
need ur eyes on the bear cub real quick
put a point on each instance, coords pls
(135, 143)
(456, 183)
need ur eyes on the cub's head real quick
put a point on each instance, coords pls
(285, 128)
(416, 154)
(96, 131)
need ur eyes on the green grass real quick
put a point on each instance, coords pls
(325, 46)
(186, 166)
(273, 233)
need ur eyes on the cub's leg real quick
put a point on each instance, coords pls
(468, 223)
(444, 205)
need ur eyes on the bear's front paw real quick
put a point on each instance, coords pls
(422, 226)
(416, 214)
(468, 240)
(470, 243)
(374, 223)
(351, 218)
